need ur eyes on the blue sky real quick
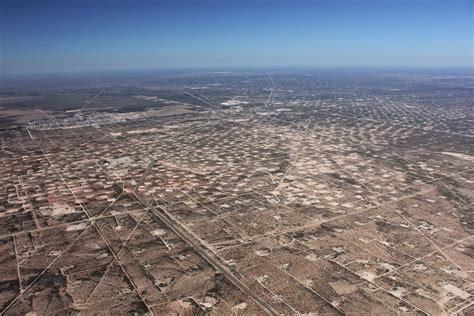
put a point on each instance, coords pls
(49, 36)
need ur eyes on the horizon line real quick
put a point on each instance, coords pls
(251, 66)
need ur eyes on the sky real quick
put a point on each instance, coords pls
(53, 36)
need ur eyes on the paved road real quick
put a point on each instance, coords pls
(207, 255)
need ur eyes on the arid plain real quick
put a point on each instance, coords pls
(244, 192)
